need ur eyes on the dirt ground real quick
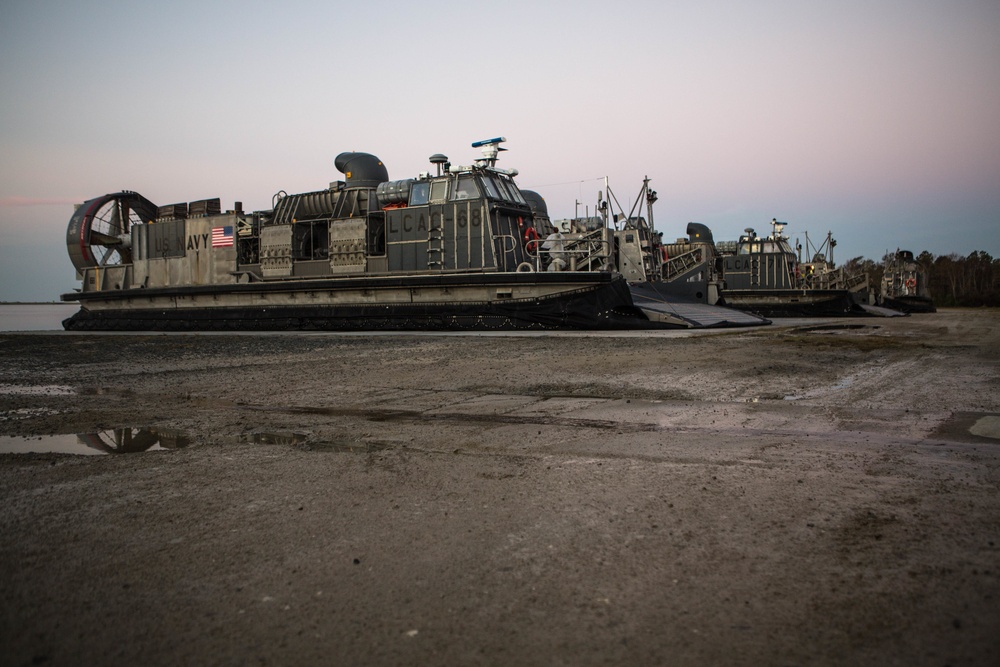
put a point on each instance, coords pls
(799, 494)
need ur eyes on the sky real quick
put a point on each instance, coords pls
(877, 120)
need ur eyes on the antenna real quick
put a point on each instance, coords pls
(491, 147)
(439, 159)
(777, 227)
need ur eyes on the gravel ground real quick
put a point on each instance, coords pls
(805, 493)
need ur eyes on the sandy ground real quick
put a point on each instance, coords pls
(788, 495)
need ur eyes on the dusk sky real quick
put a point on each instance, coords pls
(878, 121)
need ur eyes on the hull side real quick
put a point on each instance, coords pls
(456, 303)
(910, 304)
(792, 303)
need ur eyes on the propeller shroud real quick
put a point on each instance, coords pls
(100, 231)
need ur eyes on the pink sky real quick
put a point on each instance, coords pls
(874, 120)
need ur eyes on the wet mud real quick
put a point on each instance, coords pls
(821, 492)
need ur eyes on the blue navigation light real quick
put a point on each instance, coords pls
(486, 142)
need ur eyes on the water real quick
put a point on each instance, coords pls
(137, 440)
(45, 444)
(110, 441)
(35, 316)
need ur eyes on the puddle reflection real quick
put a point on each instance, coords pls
(135, 440)
(289, 438)
(110, 441)
(970, 427)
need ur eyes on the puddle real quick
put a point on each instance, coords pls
(838, 326)
(288, 438)
(986, 427)
(36, 390)
(970, 427)
(135, 440)
(111, 441)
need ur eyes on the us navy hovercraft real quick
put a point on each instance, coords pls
(904, 284)
(458, 249)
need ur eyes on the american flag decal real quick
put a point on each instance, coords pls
(222, 237)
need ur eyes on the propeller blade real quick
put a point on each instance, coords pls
(115, 226)
(97, 238)
(126, 217)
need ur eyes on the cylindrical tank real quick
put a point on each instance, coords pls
(394, 192)
(675, 249)
(307, 206)
(315, 204)
(363, 170)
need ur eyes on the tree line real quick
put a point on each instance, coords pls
(953, 280)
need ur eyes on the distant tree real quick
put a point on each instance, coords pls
(947, 275)
(995, 283)
(926, 260)
(978, 275)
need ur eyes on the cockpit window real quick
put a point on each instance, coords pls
(514, 192)
(439, 190)
(498, 186)
(465, 189)
(505, 187)
(419, 193)
(491, 190)
(502, 188)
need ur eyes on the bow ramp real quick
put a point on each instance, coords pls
(880, 311)
(660, 306)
